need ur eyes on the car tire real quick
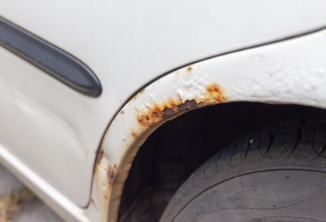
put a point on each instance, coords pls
(274, 175)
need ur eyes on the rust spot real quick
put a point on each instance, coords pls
(216, 91)
(177, 73)
(134, 135)
(122, 112)
(189, 69)
(151, 118)
(92, 200)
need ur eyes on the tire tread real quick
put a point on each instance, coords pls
(293, 144)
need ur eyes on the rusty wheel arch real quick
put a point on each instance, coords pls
(224, 79)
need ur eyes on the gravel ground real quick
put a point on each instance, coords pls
(22, 207)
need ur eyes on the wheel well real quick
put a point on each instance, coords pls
(180, 146)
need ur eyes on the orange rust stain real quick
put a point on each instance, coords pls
(189, 69)
(177, 73)
(122, 112)
(171, 107)
(163, 111)
(149, 119)
(216, 91)
(92, 200)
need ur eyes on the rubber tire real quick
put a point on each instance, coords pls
(277, 174)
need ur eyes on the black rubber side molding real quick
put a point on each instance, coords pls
(49, 58)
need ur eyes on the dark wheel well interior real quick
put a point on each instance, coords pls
(180, 146)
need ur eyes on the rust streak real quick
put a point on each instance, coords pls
(138, 94)
(99, 158)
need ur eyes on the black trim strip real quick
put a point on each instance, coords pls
(49, 58)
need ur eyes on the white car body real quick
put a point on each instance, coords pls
(148, 56)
